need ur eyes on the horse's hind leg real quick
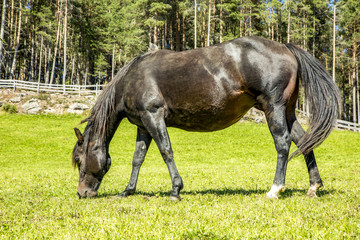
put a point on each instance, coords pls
(155, 124)
(314, 176)
(143, 140)
(277, 123)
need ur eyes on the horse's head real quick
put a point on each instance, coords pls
(92, 158)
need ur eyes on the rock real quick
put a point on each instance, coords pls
(79, 106)
(50, 110)
(15, 100)
(32, 106)
(34, 110)
(74, 111)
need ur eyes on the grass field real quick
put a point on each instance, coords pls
(226, 175)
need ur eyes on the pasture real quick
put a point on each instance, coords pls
(226, 175)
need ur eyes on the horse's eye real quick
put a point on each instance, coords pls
(77, 159)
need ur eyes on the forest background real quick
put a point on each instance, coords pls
(88, 41)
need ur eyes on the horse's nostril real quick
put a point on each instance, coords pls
(78, 194)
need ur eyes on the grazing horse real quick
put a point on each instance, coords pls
(209, 89)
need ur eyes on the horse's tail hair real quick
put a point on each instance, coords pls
(323, 97)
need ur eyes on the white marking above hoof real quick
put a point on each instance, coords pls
(275, 189)
(312, 190)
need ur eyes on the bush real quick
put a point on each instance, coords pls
(10, 108)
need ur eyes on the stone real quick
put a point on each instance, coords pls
(79, 106)
(32, 106)
(15, 100)
(50, 110)
(34, 110)
(74, 111)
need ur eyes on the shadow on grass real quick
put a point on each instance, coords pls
(290, 192)
(226, 192)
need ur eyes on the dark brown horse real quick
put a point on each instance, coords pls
(209, 89)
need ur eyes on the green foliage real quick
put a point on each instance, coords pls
(104, 35)
(9, 108)
(226, 176)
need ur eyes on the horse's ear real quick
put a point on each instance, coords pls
(79, 135)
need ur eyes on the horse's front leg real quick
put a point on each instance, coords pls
(155, 124)
(143, 140)
(279, 130)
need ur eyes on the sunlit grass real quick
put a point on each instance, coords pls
(226, 176)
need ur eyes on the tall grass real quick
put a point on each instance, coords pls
(226, 176)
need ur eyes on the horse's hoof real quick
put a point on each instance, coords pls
(175, 198)
(271, 196)
(124, 194)
(312, 190)
(311, 194)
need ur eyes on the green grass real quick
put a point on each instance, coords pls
(226, 175)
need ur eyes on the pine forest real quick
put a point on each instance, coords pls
(88, 41)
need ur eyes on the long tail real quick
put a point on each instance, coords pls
(323, 97)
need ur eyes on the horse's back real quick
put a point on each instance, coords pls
(209, 88)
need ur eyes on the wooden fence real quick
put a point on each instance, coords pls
(341, 124)
(96, 89)
(52, 88)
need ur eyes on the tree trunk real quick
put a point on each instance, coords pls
(178, 29)
(155, 33)
(354, 78)
(183, 33)
(334, 43)
(164, 35)
(17, 45)
(65, 42)
(31, 68)
(209, 26)
(73, 69)
(221, 22)
(203, 29)
(314, 30)
(357, 95)
(113, 63)
(56, 45)
(288, 27)
(2, 34)
(250, 22)
(195, 23)
(213, 23)
(48, 63)
(171, 36)
(41, 51)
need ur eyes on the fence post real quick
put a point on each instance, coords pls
(14, 85)
(79, 90)
(96, 89)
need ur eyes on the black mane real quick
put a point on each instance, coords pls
(105, 104)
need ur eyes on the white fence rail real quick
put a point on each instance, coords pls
(341, 124)
(52, 88)
(96, 89)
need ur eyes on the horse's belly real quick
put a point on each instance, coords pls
(214, 116)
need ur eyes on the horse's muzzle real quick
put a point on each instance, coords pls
(87, 194)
